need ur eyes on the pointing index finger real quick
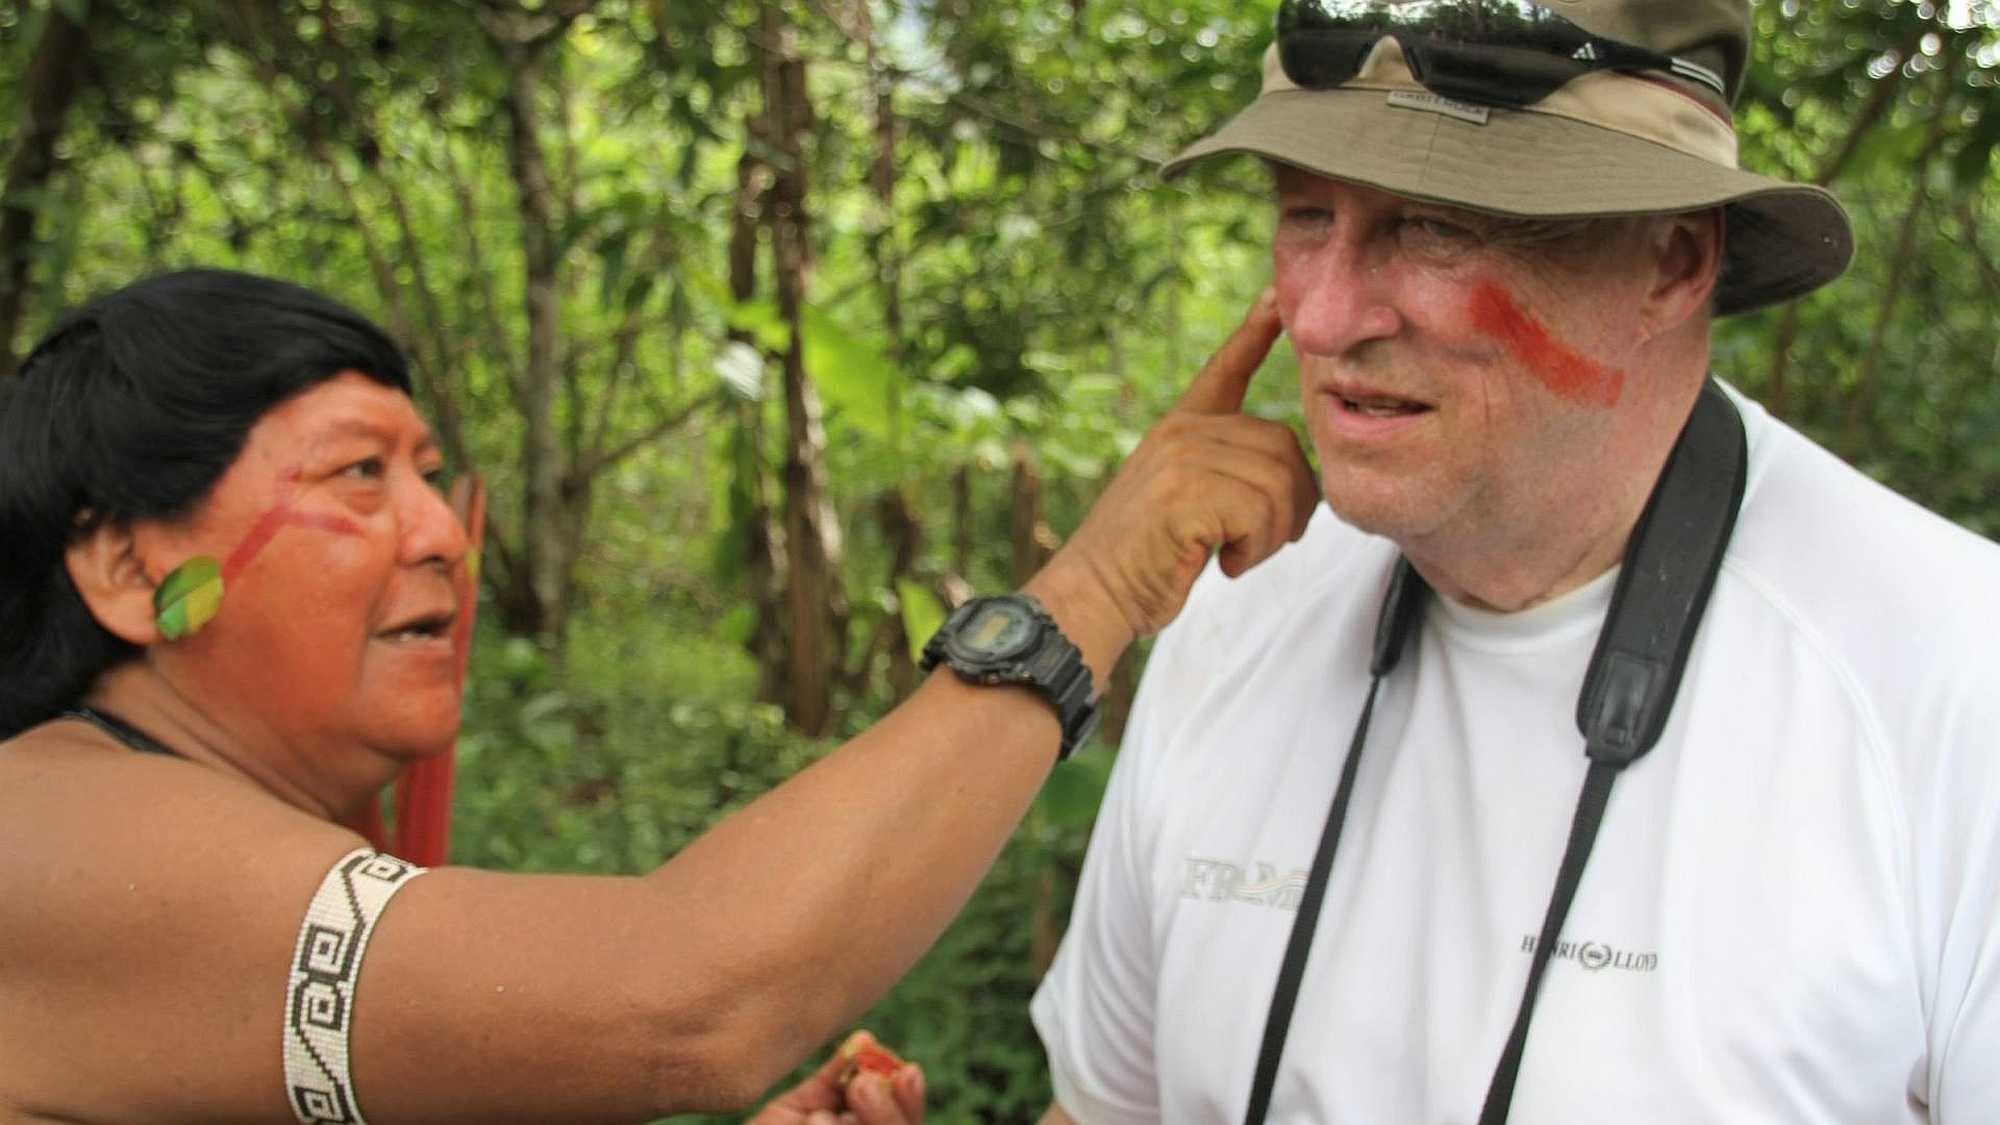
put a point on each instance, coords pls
(1220, 387)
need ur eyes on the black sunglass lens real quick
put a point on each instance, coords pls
(1490, 75)
(1322, 59)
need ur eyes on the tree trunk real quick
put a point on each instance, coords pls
(956, 586)
(816, 606)
(477, 298)
(503, 570)
(54, 73)
(1031, 539)
(961, 520)
(903, 530)
(400, 323)
(544, 611)
(764, 542)
(882, 176)
(440, 384)
(902, 523)
(1115, 699)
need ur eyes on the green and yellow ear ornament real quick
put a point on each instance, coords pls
(188, 598)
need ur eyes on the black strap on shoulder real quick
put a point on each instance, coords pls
(1669, 571)
(132, 737)
(1670, 568)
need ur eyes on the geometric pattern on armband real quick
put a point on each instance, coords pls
(319, 996)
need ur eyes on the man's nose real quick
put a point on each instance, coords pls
(1341, 294)
(431, 530)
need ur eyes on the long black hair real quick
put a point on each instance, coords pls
(131, 408)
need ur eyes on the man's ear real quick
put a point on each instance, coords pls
(109, 575)
(1686, 251)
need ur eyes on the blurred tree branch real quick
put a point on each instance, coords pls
(53, 76)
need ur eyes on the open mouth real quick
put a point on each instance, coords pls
(1380, 406)
(431, 627)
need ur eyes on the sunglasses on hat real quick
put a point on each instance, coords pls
(1491, 52)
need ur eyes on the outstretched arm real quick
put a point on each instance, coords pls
(159, 947)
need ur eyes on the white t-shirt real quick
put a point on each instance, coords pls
(1792, 913)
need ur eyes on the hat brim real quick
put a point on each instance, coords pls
(1783, 239)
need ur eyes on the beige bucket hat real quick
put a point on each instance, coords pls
(1608, 143)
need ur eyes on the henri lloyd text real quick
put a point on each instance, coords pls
(1595, 955)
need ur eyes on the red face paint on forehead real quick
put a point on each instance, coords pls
(1565, 373)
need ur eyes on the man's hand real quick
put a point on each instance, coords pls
(868, 1098)
(1206, 478)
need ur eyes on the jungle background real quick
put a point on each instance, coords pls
(779, 326)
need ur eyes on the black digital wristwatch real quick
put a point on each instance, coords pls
(1011, 639)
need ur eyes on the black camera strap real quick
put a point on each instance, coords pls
(1663, 587)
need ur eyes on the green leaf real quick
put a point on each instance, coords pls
(852, 374)
(922, 614)
(189, 598)
(739, 625)
(761, 319)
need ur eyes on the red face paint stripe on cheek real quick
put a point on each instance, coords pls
(268, 525)
(267, 529)
(1565, 373)
(260, 537)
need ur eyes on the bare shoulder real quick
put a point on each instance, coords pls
(150, 909)
(138, 894)
(79, 814)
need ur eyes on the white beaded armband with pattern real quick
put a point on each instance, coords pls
(319, 1000)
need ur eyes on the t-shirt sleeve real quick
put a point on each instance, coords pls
(1095, 1008)
(1968, 1081)
(1959, 828)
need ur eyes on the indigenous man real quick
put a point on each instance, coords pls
(1504, 230)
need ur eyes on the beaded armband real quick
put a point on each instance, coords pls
(319, 999)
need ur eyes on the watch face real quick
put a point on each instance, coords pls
(998, 630)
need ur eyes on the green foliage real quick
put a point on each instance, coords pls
(1027, 284)
(1891, 367)
(922, 614)
(615, 760)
